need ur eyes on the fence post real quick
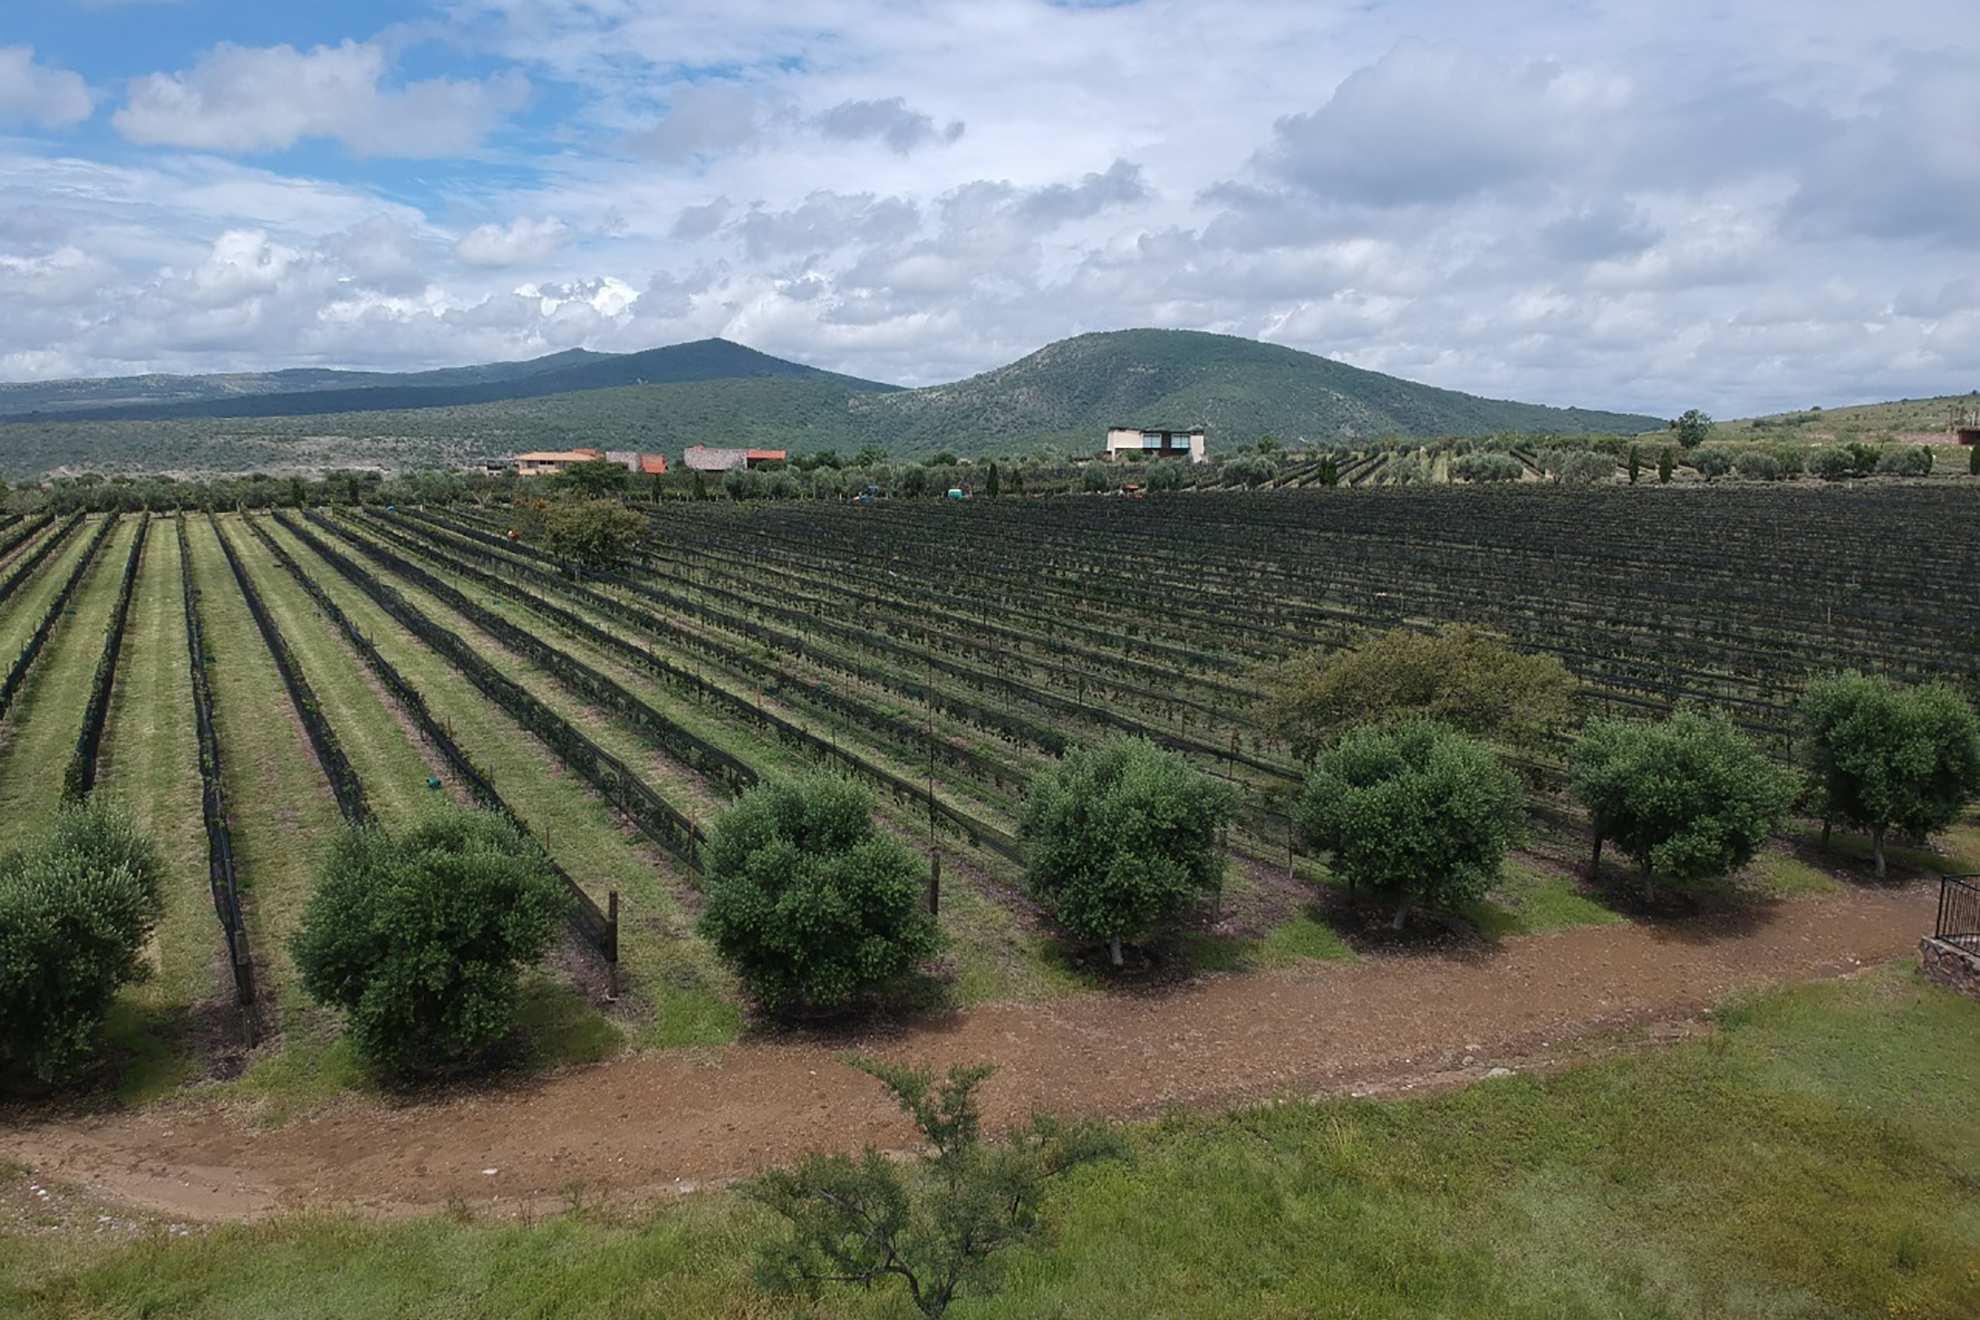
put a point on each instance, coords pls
(612, 942)
(935, 885)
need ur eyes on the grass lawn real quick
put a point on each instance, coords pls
(1816, 1159)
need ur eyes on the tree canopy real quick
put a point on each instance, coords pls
(77, 905)
(421, 939)
(1689, 798)
(1415, 811)
(1122, 840)
(810, 904)
(1886, 757)
(597, 535)
(1470, 680)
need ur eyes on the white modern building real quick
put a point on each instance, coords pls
(1156, 442)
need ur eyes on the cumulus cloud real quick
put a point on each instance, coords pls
(382, 253)
(521, 242)
(888, 121)
(1055, 204)
(32, 93)
(696, 222)
(243, 99)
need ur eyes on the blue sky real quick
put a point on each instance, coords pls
(1742, 205)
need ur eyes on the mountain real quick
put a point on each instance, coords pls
(1071, 391)
(307, 393)
(1063, 396)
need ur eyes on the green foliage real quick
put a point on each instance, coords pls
(810, 904)
(1711, 464)
(1168, 474)
(1122, 840)
(77, 905)
(1756, 465)
(593, 479)
(1635, 464)
(1414, 811)
(422, 939)
(1905, 461)
(1329, 471)
(1578, 467)
(1689, 797)
(1886, 757)
(701, 485)
(1473, 681)
(1486, 466)
(1833, 464)
(1095, 477)
(1693, 428)
(930, 1224)
(1666, 464)
(993, 485)
(594, 534)
(1973, 461)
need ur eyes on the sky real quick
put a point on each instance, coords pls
(1738, 205)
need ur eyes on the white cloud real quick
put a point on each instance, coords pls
(888, 121)
(32, 93)
(245, 100)
(702, 121)
(522, 242)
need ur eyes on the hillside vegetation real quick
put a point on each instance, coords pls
(1061, 397)
(1902, 421)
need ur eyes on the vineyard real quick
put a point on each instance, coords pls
(244, 683)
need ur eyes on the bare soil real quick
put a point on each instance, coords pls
(653, 1123)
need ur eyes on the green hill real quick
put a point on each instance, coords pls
(1901, 421)
(1068, 393)
(1063, 397)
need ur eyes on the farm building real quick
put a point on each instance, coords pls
(549, 462)
(1156, 442)
(701, 458)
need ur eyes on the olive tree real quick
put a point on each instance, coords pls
(1886, 757)
(1414, 811)
(1689, 797)
(1121, 840)
(807, 901)
(1692, 427)
(77, 905)
(421, 939)
(592, 535)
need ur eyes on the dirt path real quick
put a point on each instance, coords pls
(683, 1118)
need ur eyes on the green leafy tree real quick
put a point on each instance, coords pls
(593, 479)
(1666, 464)
(869, 456)
(701, 485)
(1689, 798)
(810, 904)
(1415, 812)
(77, 906)
(1487, 467)
(1168, 474)
(595, 535)
(933, 1223)
(1121, 841)
(943, 459)
(1635, 464)
(1095, 477)
(1693, 428)
(421, 939)
(1886, 757)
(1329, 472)
(1470, 680)
(992, 485)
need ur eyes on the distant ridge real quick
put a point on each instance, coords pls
(571, 372)
(1062, 397)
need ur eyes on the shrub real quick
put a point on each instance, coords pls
(421, 939)
(1905, 461)
(1121, 840)
(1470, 680)
(1584, 467)
(1485, 467)
(808, 902)
(1886, 757)
(1833, 464)
(1096, 476)
(1689, 797)
(1756, 465)
(76, 908)
(1416, 812)
(594, 534)
(1666, 464)
(1168, 474)
(929, 1223)
(1712, 464)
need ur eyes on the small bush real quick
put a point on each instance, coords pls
(422, 939)
(1481, 467)
(1833, 465)
(76, 908)
(1756, 465)
(1905, 461)
(1712, 464)
(808, 902)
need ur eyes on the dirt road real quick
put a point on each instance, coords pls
(684, 1118)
